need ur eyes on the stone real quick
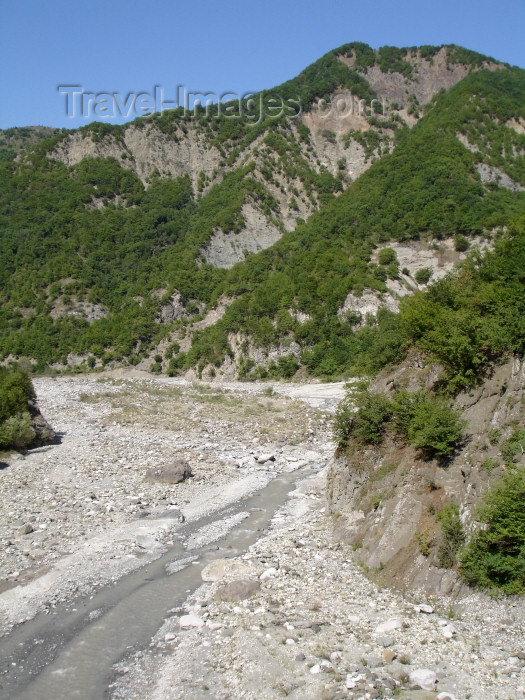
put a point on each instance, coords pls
(389, 626)
(26, 529)
(146, 542)
(239, 589)
(385, 641)
(220, 568)
(269, 573)
(427, 609)
(266, 458)
(423, 678)
(448, 631)
(445, 696)
(174, 473)
(387, 656)
(187, 622)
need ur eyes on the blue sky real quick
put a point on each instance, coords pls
(122, 46)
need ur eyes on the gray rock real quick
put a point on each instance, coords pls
(146, 542)
(174, 473)
(26, 529)
(427, 609)
(385, 641)
(218, 569)
(373, 661)
(237, 590)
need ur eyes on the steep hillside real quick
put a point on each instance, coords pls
(19, 138)
(197, 241)
(430, 439)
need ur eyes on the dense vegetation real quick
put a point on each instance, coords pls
(92, 233)
(494, 559)
(423, 419)
(19, 138)
(16, 390)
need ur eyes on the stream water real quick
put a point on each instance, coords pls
(71, 652)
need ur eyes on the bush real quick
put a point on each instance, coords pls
(461, 243)
(453, 535)
(425, 420)
(16, 389)
(386, 256)
(367, 423)
(423, 276)
(435, 428)
(494, 559)
(514, 446)
(16, 431)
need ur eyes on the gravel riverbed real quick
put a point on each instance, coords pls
(293, 616)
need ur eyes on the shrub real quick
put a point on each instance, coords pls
(494, 558)
(386, 256)
(435, 428)
(461, 243)
(453, 535)
(16, 389)
(423, 276)
(514, 446)
(367, 423)
(16, 431)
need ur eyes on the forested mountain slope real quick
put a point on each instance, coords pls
(199, 241)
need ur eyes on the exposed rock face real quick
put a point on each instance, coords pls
(430, 75)
(79, 309)
(490, 173)
(226, 249)
(387, 496)
(439, 257)
(143, 150)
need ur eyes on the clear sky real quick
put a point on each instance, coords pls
(123, 46)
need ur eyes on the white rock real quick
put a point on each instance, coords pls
(269, 573)
(448, 631)
(427, 609)
(315, 669)
(218, 569)
(424, 678)
(389, 626)
(186, 622)
(352, 681)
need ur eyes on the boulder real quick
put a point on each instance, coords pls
(237, 590)
(174, 473)
(220, 568)
(423, 678)
(389, 626)
(186, 622)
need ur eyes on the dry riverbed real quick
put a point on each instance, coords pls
(84, 512)
(292, 616)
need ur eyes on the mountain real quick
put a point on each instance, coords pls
(17, 139)
(191, 240)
